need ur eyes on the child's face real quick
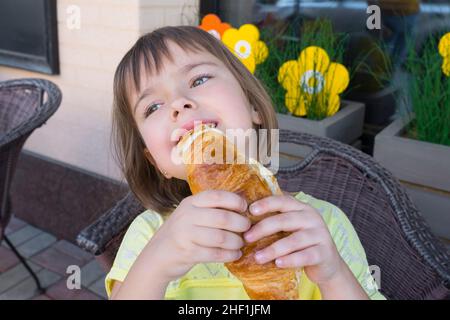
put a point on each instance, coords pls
(195, 86)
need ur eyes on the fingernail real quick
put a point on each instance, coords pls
(245, 206)
(255, 209)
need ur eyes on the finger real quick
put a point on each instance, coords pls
(222, 219)
(288, 221)
(308, 257)
(220, 199)
(296, 241)
(216, 238)
(206, 254)
(282, 203)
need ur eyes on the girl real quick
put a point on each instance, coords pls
(169, 79)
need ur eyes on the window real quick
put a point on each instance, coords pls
(28, 35)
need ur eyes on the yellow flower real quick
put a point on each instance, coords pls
(245, 44)
(312, 78)
(444, 50)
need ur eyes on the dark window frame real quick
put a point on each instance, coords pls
(209, 6)
(48, 63)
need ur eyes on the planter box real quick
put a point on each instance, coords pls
(380, 106)
(345, 126)
(423, 168)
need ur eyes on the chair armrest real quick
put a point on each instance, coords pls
(95, 237)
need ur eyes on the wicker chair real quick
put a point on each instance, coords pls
(25, 105)
(414, 264)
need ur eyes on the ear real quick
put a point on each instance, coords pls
(256, 117)
(153, 163)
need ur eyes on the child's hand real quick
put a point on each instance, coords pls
(201, 229)
(310, 245)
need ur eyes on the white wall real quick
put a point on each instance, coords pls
(79, 132)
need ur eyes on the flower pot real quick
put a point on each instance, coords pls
(422, 167)
(345, 126)
(380, 106)
(380, 110)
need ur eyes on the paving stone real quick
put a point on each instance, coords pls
(27, 288)
(14, 225)
(16, 275)
(72, 250)
(59, 291)
(26, 233)
(98, 287)
(56, 261)
(22, 291)
(91, 272)
(36, 244)
(7, 259)
(47, 277)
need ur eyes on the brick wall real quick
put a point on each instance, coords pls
(78, 133)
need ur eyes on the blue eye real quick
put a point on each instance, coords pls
(155, 106)
(151, 108)
(200, 80)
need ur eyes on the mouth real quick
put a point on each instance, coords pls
(181, 132)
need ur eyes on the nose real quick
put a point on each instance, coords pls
(181, 105)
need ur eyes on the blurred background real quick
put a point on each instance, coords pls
(66, 176)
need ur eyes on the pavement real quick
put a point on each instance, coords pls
(50, 258)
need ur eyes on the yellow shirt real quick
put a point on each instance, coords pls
(211, 281)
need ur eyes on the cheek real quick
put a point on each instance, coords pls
(231, 105)
(154, 138)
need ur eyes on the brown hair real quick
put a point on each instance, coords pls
(150, 187)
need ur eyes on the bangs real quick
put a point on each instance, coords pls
(151, 50)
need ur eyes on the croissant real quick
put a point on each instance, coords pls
(213, 162)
